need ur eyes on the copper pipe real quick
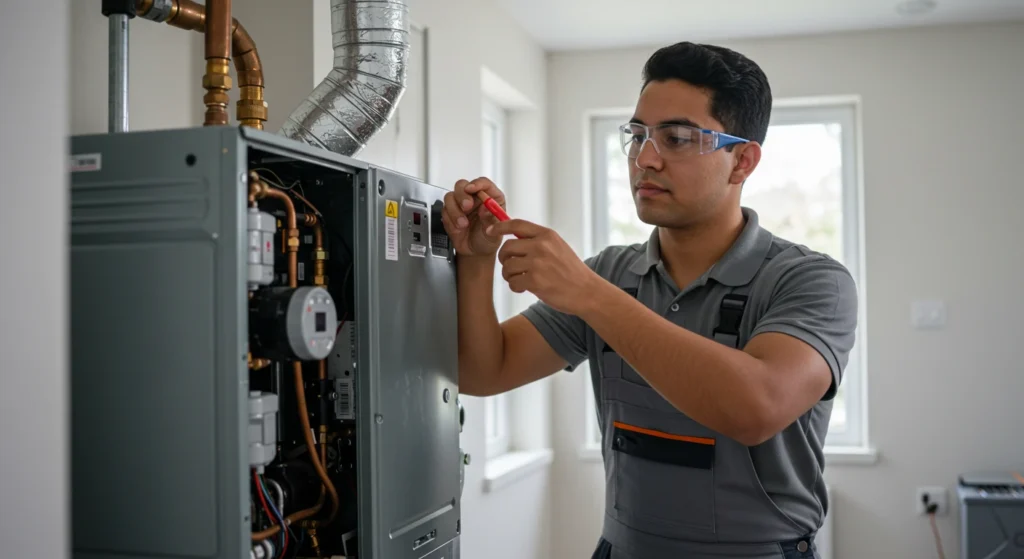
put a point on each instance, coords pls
(217, 81)
(186, 14)
(259, 189)
(292, 231)
(218, 29)
(319, 254)
(291, 519)
(251, 108)
(307, 431)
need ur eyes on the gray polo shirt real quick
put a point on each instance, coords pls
(790, 288)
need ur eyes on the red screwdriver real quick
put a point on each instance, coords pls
(493, 207)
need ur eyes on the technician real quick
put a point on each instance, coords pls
(715, 348)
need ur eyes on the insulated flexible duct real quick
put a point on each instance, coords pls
(362, 91)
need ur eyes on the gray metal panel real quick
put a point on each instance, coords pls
(158, 339)
(449, 551)
(992, 522)
(408, 341)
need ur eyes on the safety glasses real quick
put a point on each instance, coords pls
(672, 141)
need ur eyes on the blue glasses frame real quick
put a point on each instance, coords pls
(709, 141)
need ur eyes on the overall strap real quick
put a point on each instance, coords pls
(630, 283)
(730, 315)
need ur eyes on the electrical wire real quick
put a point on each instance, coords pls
(308, 203)
(266, 508)
(277, 489)
(281, 506)
(341, 324)
(278, 515)
(299, 193)
(935, 532)
(279, 183)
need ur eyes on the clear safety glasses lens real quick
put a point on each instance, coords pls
(671, 141)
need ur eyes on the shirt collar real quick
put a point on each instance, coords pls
(736, 267)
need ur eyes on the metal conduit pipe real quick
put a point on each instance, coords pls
(119, 13)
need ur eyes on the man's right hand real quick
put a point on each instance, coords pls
(466, 219)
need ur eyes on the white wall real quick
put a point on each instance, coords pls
(163, 89)
(34, 431)
(463, 37)
(942, 116)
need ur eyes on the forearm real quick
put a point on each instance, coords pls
(713, 384)
(481, 344)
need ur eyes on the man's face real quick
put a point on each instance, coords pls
(681, 193)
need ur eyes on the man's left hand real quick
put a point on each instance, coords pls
(541, 262)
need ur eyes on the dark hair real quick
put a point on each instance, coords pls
(741, 98)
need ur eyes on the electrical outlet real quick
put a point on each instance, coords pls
(935, 495)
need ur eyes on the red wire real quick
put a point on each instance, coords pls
(266, 509)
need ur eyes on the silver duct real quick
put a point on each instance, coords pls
(359, 96)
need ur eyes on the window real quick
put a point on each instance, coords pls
(805, 189)
(494, 141)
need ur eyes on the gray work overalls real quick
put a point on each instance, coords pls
(676, 489)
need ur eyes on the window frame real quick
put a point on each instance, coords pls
(496, 408)
(845, 110)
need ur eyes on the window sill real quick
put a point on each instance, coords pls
(510, 467)
(851, 455)
(590, 453)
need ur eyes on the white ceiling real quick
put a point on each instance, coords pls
(597, 24)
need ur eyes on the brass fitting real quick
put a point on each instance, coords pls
(313, 541)
(258, 363)
(293, 240)
(251, 109)
(217, 83)
(319, 272)
(257, 189)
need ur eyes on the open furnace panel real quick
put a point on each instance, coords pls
(263, 334)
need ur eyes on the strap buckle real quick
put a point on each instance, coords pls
(729, 316)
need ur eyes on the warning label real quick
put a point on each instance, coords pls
(391, 230)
